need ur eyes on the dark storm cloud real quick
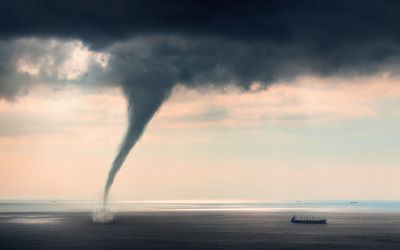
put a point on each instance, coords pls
(217, 42)
(329, 23)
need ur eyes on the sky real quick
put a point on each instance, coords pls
(199, 100)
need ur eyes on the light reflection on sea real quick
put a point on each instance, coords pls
(33, 219)
(193, 205)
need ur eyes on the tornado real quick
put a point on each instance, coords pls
(143, 103)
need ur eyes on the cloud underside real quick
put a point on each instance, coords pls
(161, 62)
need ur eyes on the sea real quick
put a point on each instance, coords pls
(68, 224)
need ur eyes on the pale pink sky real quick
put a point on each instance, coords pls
(313, 138)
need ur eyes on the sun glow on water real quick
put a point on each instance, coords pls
(42, 219)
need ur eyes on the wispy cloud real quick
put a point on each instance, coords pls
(307, 100)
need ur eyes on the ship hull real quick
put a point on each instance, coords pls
(309, 221)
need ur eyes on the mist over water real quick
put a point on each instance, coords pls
(199, 205)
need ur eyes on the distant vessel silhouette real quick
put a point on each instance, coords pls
(308, 220)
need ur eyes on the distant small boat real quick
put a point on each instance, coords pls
(308, 220)
(353, 202)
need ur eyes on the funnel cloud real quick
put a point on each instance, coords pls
(143, 103)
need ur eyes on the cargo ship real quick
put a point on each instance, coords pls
(308, 220)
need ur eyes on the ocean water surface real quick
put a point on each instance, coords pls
(200, 225)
